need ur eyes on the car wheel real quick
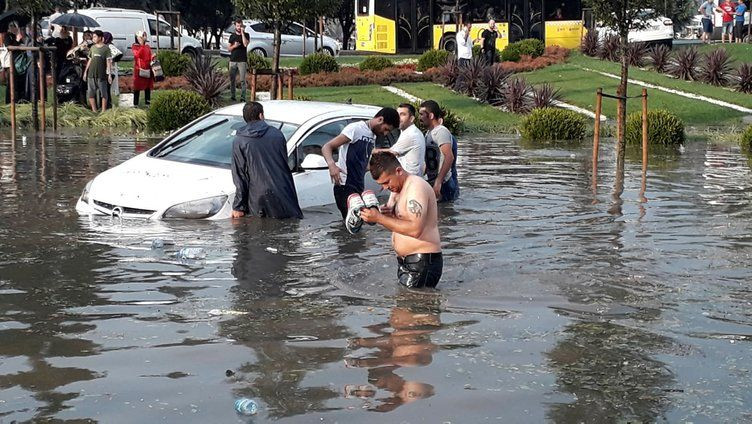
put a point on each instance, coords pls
(449, 43)
(259, 51)
(190, 51)
(328, 51)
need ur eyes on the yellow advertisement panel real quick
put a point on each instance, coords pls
(565, 34)
(375, 34)
(440, 31)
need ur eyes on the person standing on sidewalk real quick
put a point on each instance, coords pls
(465, 45)
(98, 72)
(489, 42)
(142, 76)
(238, 45)
(707, 9)
(741, 9)
(727, 29)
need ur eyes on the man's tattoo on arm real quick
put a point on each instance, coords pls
(415, 208)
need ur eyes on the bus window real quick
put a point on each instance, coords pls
(363, 7)
(479, 11)
(562, 10)
(384, 8)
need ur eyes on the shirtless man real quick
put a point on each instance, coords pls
(411, 214)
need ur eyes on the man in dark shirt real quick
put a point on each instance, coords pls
(263, 182)
(489, 42)
(238, 45)
(98, 72)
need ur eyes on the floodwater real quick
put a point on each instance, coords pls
(557, 304)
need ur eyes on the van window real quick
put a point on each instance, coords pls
(164, 28)
(120, 27)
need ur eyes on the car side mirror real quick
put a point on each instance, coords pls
(313, 162)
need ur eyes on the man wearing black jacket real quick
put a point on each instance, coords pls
(263, 182)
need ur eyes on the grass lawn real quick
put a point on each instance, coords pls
(740, 52)
(578, 87)
(650, 76)
(364, 94)
(478, 117)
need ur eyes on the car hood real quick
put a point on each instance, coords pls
(156, 184)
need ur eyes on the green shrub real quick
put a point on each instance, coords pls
(173, 109)
(318, 62)
(173, 63)
(664, 128)
(549, 124)
(375, 63)
(477, 52)
(432, 59)
(511, 53)
(532, 47)
(746, 140)
(256, 61)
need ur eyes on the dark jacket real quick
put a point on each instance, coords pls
(263, 182)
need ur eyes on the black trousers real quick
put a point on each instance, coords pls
(420, 269)
(341, 193)
(147, 96)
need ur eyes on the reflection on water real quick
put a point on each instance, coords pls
(557, 304)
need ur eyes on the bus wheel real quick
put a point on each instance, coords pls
(449, 43)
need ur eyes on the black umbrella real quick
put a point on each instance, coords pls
(75, 20)
(10, 16)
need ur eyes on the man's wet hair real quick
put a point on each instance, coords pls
(252, 111)
(390, 115)
(410, 108)
(383, 162)
(432, 107)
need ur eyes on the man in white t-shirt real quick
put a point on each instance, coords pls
(410, 147)
(354, 145)
(465, 45)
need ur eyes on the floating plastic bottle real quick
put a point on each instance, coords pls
(245, 406)
(191, 253)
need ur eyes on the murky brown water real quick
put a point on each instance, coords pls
(553, 306)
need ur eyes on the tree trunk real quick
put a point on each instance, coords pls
(275, 59)
(346, 32)
(622, 117)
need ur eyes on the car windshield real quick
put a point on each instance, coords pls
(209, 141)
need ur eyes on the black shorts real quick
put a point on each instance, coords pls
(341, 193)
(420, 269)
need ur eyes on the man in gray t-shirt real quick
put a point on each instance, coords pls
(442, 175)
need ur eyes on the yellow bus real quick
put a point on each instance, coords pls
(413, 26)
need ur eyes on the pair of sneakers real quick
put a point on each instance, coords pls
(355, 203)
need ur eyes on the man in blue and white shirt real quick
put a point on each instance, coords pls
(354, 145)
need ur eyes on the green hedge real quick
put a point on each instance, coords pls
(531, 47)
(318, 62)
(551, 124)
(432, 59)
(746, 140)
(257, 62)
(173, 63)
(173, 109)
(375, 63)
(664, 128)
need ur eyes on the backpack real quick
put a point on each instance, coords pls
(22, 63)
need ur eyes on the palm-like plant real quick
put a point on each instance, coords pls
(609, 49)
(517, 96)
(205, 79)
(469, 77)
(448, 72)
(545, 96)
(636, 53)
(684, 64)
(659, 57)
(492, 84)
(589, 45)
(743, 78)
(716, 68)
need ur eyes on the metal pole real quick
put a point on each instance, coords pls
(13, 94)
(42, 87)
(54, 91)
(596, 135)
(180, 34)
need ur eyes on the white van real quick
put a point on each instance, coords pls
(124, 23)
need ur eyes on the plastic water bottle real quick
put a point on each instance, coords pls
(191, 253)
(157, 244)
(245, 406)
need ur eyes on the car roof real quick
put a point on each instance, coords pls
(299, 112)
(102, 11)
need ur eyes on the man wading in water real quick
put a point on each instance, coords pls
(413, 221)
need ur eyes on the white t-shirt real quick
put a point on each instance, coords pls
(354, 155)
(411, 150)
(464, 47)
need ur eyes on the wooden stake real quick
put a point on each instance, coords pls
(644, 139)
(253, 85)
(289, 85)
(280, 85)
(12, 69)
(54, 91)
(597, 135)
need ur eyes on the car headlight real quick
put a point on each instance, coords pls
(85, 193)
(196, 209)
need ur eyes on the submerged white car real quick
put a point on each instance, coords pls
(187, 175)
(657, 30)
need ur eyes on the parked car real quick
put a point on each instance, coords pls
(124, 23)
(696, 25)
(187, 175)
(658, 30)
(262, 40)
